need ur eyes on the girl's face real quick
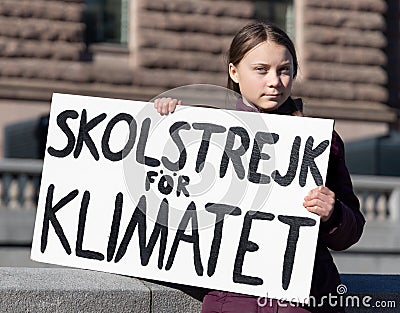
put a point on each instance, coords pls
(264, 75)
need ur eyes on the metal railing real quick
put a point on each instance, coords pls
(20, 181)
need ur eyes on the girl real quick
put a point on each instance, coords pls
(262, 65)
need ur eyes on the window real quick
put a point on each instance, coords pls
(107, 21)
(278, 12)
(393, 51)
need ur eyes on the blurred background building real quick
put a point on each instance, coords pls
(349, 55)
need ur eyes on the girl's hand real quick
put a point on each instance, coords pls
(165, 106)
(321, 201)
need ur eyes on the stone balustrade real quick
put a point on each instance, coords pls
(19, 183)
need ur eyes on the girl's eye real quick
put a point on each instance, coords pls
(261, 69)
(285, 70)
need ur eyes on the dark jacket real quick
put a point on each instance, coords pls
(345, 226)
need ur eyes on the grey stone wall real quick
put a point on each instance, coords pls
(49, 290)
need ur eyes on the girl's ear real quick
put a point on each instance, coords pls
(233, 73)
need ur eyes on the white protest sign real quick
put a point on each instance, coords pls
(202, 197)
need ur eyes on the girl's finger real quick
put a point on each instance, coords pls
(165, 105)
(323, 214)
(172, 105)
(321, 193)
(325, 190)
(162, 105)
(326, 203)
(316, 203)
(320, 196)
(312, 209)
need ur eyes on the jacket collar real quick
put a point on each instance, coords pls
(289, 107)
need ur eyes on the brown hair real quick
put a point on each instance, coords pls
(249, 37)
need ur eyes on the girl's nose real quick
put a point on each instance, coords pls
(272, 79)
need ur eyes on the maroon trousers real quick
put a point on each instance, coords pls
(228, 302)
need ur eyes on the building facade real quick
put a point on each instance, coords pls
(348, 50)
